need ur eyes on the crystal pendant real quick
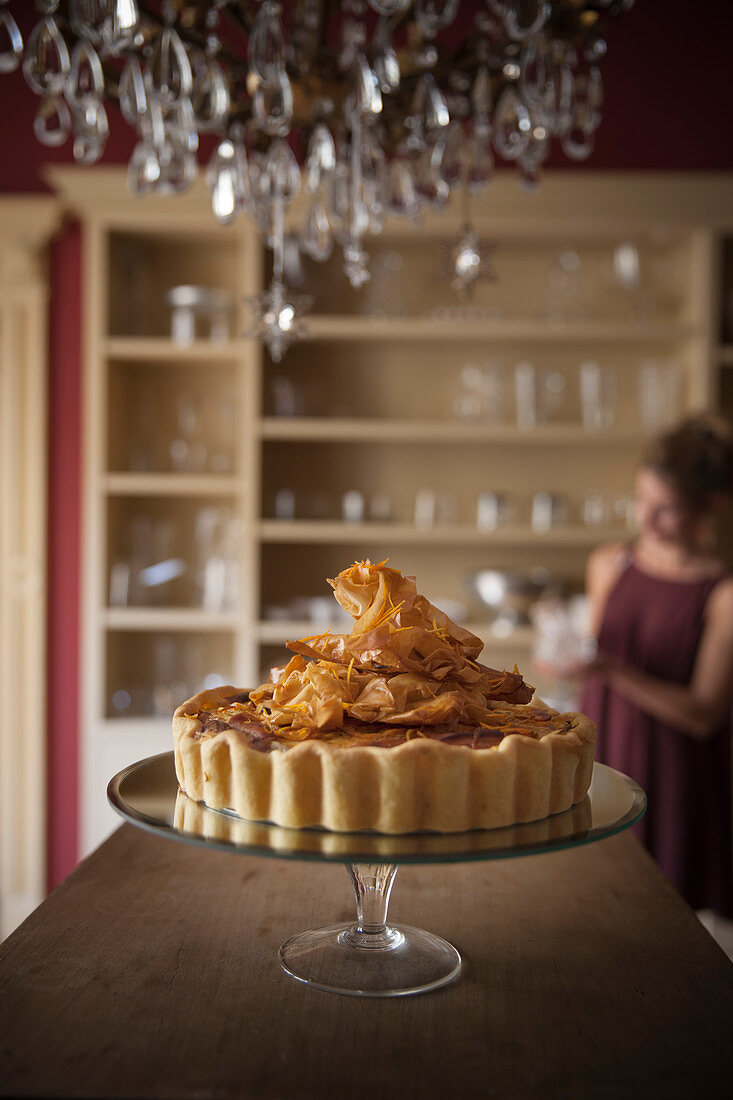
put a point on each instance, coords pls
(368, 97)
(227, 179)
(85, 82)
(320, 159)
(386, 66)
(91, 130)
(210, 95)
(536, 81)
(511, 124)
(315, 238)
(181, 126)
(266, 47)
(387, 70)
(143, 169)
(46, 62)
(431, 183)
(277, 318)
(481, 98)
(562, 107)
(272, 106)
(108, 24)
(356, 263)
(429, 103)
(177, 168)
(577, 144)
(478, 162)
(11, 43)
(132, 92)
(403, 198)
(524, 18)
(52, 124)
(170, 71)
(281, 174)
(432, 15)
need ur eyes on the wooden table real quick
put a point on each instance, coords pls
(152, 972)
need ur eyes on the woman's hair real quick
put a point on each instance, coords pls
(696, 458)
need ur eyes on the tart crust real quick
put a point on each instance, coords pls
(419, 785)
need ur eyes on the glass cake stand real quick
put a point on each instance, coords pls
(368, 957)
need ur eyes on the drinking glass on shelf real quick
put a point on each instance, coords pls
(563, 292)
(352, 506)
(525, 384)
(223, 433)
(216, 536)
(549, 510)
(627, 273)
(492, 511)
(482, 392)
(598, 393)
(659, 393)
(187, 451)
(596, 508)
(425, 508)
(285, 504)
(199, 311)
(551, 395)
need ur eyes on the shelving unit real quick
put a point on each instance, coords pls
(180, 439)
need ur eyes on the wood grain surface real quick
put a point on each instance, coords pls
(152, 972)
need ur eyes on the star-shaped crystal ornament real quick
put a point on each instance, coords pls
(277, 318)
(466, 262)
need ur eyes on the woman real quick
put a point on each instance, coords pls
(661, 687)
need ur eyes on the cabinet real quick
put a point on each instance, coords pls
(221, 489)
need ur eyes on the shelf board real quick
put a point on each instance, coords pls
(163, 485)
(273, 632)
(162, 349)
(357, 430)
(334, 531)
(169, 618)
(141, 724)
(349, 327)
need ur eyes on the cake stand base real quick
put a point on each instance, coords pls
(398, 962)
(370, 958)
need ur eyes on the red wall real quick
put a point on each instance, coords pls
(668, 107)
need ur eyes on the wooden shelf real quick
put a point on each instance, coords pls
(143, 725)
(161, 485)
(419, 328)
(725, 355)
(334, 531)
(157, 349)
(355, 430)
(169, 618)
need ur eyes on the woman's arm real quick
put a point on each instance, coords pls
(697, 708)
(603, 569)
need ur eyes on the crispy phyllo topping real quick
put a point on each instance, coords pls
(404, 664)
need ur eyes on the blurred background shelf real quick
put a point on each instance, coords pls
(402, 534)
(356, 429)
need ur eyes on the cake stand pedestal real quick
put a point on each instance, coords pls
(368, 957)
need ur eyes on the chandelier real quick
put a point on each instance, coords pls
(369, 108)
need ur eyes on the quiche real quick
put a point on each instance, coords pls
(395, 727)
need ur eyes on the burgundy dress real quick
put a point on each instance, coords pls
(655, 625)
